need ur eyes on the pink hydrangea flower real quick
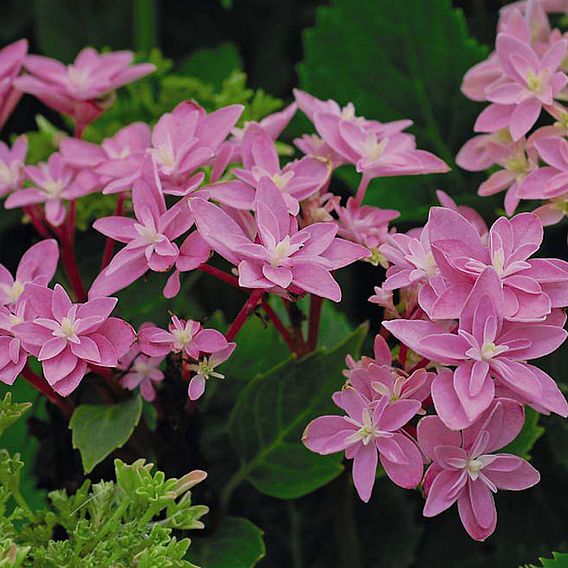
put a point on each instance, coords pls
(367, 433)
(12, 161)
(68, 337)
(117, 161)
(466, 470)
(368, 226)
(149, 238)
(486, 348)
(204, 370)
(80, 90)
(141, 371)
(11, 59)
(533, 81)
(37, 266)
(186, 139)
(314, 146)
(13, 356)
(54, 182)
(466, 212)
(297, 180)
(283, 257)
(182, 336)
(532, 287)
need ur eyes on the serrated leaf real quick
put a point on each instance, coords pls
(530, 433)
(560, 560)
(100, 429)
(236, 543)
(271, 413)
(10, 411)
(397, 60)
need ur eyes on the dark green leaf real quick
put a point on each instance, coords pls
(397, 60)
(271, 413)
(237, 543)
(560, 560)
(100, 429)
(212, 65)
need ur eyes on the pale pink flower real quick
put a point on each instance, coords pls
(533, 81)
(117, 161)
(186, 139)
(368, 433)
(486, 347)
(283, 257)
(384, 299)
(532, 287)
(149, 238)
(54, 182)
(37, 266)
(204, 370)
(12, 161)
(297, 180)
(466, 212)
(11, 59)
(80, 90)
(381, 356)
(466, 470)
(13, 356)
(314, 146)
(67, 338)
(188, 337)
(141, 371)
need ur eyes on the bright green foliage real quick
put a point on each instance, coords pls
(271, 413)
(560, 560)
(527, 437)
(99, 429)
(120, 524)
(11, 411)
(397, 60)
(236, 543)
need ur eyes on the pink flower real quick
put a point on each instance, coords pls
(149, 238)
(532, 82)
(486, 347)
(531, 286)
(204, 369)
(13, 356)
(550, 181)
(376, 155)
(182, 336)
(117, 161)
(186, 139)
(465, 470)
(54, 182)
(367, 433)
(11, 59)
(80, 90)
(366, 225)
(384, 299)
(141, 371)
(67, 337)
(314, 146)
(283, 257)
(466, 212)
(37, 266)
(12, 163)
(297, 180)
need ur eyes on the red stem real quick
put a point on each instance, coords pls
(42, 386)
(242, 316)
(362, 189)
(219, 274)
(109, 244)
(36, 222)
(316, 303)
(280, 327)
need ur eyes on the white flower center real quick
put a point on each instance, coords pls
(282, 251)
(7, 175)
(473, 466)
(372, 148)
(165, 156)
(13, 292)
(148, 233)
(77, 77)
(53, 188)
(67, 329)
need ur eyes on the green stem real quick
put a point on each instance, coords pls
(145, 28)
(19, 498)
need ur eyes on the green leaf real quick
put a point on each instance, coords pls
(271, 413)
(237, 543)
(212, 65)
(10, 411)
(397, 60)
(560, 560)
(99, 429)
(530, 433)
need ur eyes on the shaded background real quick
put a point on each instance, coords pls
(268, 38)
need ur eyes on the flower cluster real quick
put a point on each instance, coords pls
(474, 309)
(523, 77)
